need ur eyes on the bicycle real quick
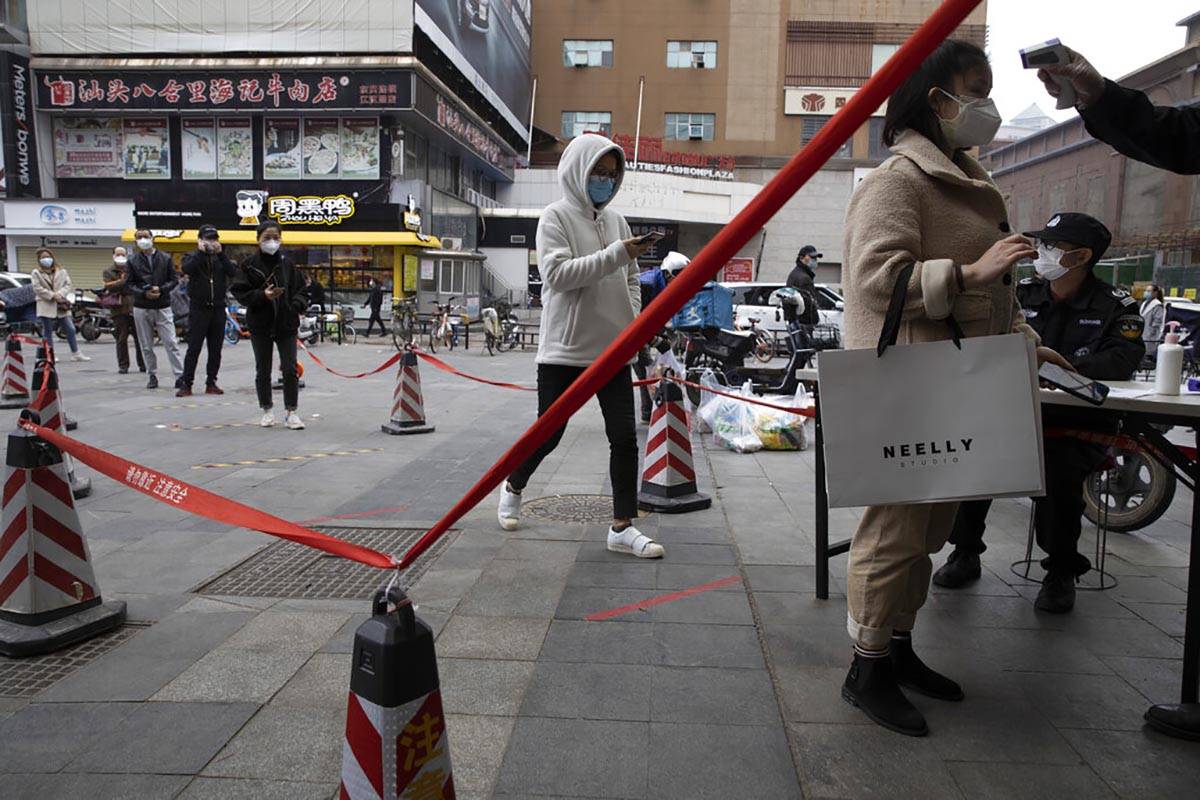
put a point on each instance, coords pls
(233, 331)
(499, 328)
(443, 330)
(337, 324)
(404, 323)
(764, 345)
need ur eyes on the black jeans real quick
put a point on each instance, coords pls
(263, 343)
(371, 322)
(1056, 517)
(641, 368)
(205, 326)
(123, 325)
(616, 404)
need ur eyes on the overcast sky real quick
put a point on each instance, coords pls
(1117, 36)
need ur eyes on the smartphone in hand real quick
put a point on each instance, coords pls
(1073, 383)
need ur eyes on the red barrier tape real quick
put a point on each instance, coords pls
(434, 361)
(807, 411)
(194, 500)
(39, 402)
(389, 363)
(751, 219)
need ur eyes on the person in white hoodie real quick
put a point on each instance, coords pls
(590, 294)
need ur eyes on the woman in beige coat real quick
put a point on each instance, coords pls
(52, 285)
(933, 207)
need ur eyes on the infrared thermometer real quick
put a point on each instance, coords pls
(1048, 54)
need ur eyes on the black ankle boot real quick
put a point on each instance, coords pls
(871, 686)
(911, 673)
(960, 569)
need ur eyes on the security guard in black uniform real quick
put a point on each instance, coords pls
(1099, 330)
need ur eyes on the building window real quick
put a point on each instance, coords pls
(812, 124)
(877, 150)
(880, 53)
(577, 122)
(452, 277)
(692, 55)
(693, 127)
(587, 53)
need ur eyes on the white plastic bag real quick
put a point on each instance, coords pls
(779, 430)
(703, 418)
(732, 422)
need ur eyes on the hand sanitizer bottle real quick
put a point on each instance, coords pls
(1168, 371)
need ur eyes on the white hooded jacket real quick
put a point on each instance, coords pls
(590, 290)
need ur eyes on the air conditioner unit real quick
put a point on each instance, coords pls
(451, 243)
(695, 132)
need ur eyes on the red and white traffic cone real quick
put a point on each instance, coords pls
(49, 597)
(48, 405)
(408, 408)
(68, 423)
(14, 379)
(669, 475)
(396, 745)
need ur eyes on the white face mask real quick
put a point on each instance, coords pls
(1049, 262)
(269, 246)
(120, 261)
(46, 262)
(976, 124)
(145, 244)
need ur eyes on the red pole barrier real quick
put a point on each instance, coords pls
(948, 16)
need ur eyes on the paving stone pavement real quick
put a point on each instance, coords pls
(728, 693)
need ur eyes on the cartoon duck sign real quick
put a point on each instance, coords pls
(292, 210)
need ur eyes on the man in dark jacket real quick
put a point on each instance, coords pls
(1168, 138)
(1099, 330)
(375, 301)
(151, 277)
(209, 272)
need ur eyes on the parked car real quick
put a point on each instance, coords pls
(753, 300)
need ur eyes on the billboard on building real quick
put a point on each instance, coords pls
(488, 40)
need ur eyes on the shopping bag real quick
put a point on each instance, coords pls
(780, 430)
(732, 423)
(938, 421)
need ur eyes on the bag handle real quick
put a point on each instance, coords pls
(895, 312)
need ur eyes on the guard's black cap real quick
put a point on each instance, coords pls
(809, 250)
(209, 232)
(1080, 230)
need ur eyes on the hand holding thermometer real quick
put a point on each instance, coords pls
(1051, 53)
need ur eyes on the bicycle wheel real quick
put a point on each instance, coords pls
(349, 334)
(764, 348)
(433, 341)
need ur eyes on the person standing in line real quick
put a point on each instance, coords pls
(591, 292)
(52, 285)
(121, 312)
(209, 272)
(375, 301)
(269, 285)
(1154, 314)
(150, 277)
(933, 210)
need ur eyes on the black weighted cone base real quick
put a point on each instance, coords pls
(18, 639)
(70, 424)
(277, 386)
(1181, 720)
(18, 401)
(693, 501)
(404, 429)
(80, 487)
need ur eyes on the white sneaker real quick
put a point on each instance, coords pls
(293, 421)
(80, 357)
(634, 542)
(509, 514)
(268, 419)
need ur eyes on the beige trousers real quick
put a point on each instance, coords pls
(887, 578)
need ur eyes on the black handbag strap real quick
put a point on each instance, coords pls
(895, 313)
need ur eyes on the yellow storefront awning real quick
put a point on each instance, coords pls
(315, 238)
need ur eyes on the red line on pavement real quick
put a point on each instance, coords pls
(600, 616)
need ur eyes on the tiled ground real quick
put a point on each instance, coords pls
(729, 693)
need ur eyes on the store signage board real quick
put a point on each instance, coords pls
(69, 215)
(819, 101)
(652, 156)
(257, 90)
(294, 212)
(454, 120)
(739, 270)
(20, 142)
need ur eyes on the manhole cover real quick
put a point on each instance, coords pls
(580, 508)
(25, 677)
(287, 569)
